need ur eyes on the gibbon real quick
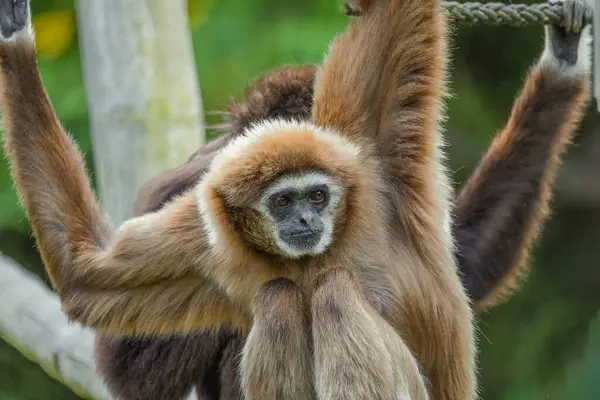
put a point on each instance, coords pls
(344, 220)
(498, 215)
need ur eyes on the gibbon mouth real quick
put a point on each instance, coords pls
(304, 233)
(305, 238)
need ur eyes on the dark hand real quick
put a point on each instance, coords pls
(14, 15)
(564, 39)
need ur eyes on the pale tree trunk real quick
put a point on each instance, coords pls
(31, 320)
(143, 94)
(146, 116)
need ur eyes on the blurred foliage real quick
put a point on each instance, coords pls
(58, 32)
(542, 344)
(198, 11)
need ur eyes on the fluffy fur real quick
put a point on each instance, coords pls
(490, 206)
(281, 332)
(507, 200)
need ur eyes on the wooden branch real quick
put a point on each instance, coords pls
(31, 320)
(143, 94)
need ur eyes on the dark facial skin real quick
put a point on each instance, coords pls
(299, 215)
(565, 42)
(13, 16)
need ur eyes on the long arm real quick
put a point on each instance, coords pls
(386, 69)
(357, 353)
(383, 81)
(152, 274)
(277, 360)
(503, 206)
(176, 364)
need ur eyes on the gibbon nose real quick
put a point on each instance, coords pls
(306, 219)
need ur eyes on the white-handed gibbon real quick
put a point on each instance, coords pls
(498, 216)
(329, 240)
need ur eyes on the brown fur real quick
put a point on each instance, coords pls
(98, 287)
(179, 360)
(388, 370)
(280, 333)
(285, 93)
(389, 70)
(483, 266)
(518, 172)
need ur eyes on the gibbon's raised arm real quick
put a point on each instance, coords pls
(506, 201)
(383, 82)
(129, 281)
(397, 43)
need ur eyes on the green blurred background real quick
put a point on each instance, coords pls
(542, 344)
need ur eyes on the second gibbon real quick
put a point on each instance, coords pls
(328, 240)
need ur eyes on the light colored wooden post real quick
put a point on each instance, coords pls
(143, 94)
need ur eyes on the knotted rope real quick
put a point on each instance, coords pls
(497, 14)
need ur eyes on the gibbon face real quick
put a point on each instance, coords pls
(286, 188)
(300, 211)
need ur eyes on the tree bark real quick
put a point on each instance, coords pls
(143, 94)
(31, 320)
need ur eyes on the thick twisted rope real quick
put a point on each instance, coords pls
(497, 14)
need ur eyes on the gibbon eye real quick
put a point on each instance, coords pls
(282, 201)
(317, 196)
